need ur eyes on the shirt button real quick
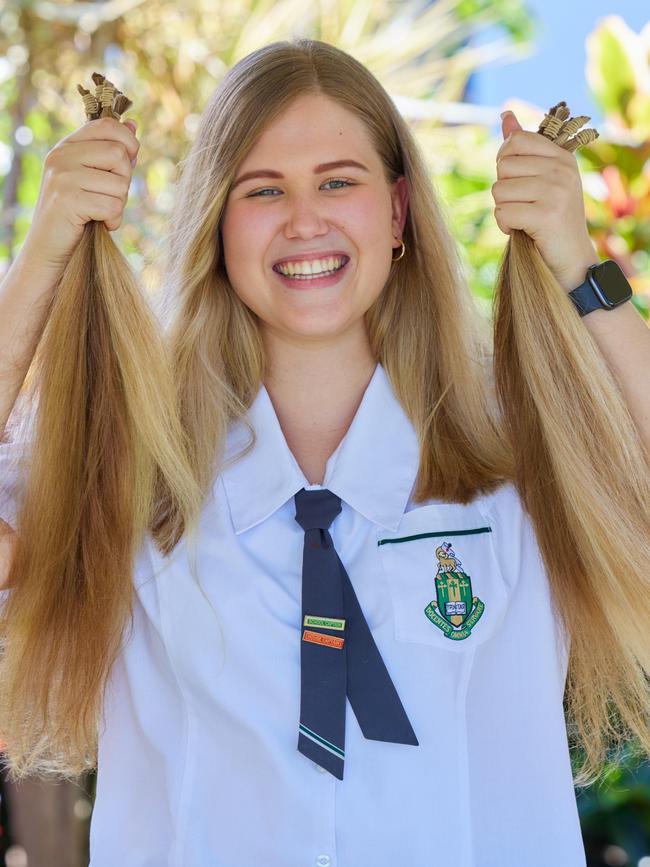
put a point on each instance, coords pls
(323, 861)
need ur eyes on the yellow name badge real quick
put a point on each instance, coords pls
(324, 622)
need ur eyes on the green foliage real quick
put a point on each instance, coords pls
(615, 812)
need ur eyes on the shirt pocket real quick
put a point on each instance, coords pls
(444, 577)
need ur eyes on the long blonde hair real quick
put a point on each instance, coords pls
(72, 591)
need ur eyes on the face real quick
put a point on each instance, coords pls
(298, 210)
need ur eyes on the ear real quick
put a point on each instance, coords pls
(509, 123)
(400, 198)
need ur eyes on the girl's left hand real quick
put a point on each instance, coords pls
(539, 191)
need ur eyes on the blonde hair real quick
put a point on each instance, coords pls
(149, 399)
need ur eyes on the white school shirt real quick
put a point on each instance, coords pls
(198, 763)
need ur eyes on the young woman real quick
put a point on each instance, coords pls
(372, 667)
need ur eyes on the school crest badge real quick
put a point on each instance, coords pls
(454, 610)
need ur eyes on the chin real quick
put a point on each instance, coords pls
(315, 327)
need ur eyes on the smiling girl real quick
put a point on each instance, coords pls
(361, 659)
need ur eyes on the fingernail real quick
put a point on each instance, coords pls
(504, 113)
(133, 162)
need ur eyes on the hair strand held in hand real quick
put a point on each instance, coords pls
(584, 478)
(107, 443)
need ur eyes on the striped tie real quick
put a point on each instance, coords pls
(338, 654)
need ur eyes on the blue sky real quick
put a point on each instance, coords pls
(556, 68)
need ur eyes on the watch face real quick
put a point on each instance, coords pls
(610, 283)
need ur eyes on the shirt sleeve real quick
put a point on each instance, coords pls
(12, 476)
(12, 456)
(518, 549)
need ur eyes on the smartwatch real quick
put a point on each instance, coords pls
(605, 287)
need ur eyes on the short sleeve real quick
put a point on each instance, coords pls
(12, 475)
(511, 529)
(518, 549)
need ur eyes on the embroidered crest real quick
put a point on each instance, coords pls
(455, 611)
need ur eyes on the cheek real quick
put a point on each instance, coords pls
(235, 245)
(366, 216)
(244, 230)
(369, 220)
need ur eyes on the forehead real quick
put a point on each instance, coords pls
(311, 127)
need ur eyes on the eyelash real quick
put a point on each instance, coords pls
(331, 180)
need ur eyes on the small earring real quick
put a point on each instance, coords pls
(401, 254)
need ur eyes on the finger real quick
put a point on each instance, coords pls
(532, 144)
(96, 181)
(107, 129)
(100, 157)
(519, 165)
(132, 125)
(516, 215)
(509, 123)
(518, 190)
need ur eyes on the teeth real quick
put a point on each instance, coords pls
(316, 266)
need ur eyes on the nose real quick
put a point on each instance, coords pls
(306, 218)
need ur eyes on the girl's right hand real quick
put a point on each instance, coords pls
(86, 177)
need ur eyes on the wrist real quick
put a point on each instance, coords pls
(29, 260)
(576, 274)
(38, 280)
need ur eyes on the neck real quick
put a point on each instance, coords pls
(316, 390)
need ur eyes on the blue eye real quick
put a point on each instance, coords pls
(332, 181)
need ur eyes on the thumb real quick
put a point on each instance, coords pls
(509, 123)
(132, 125)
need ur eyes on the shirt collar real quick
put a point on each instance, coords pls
(373, 468)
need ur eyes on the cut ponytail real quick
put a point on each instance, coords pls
(107, 444)
(583, 476)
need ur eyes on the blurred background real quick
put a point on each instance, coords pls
(451, 66)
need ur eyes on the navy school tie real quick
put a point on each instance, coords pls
(338, 654)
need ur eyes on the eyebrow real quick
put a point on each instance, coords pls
(323, 167)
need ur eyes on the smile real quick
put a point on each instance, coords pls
(315, 268)
(322, 278)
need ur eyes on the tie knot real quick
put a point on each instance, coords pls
(316, 509)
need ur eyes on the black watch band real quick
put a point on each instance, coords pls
(604, 288)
